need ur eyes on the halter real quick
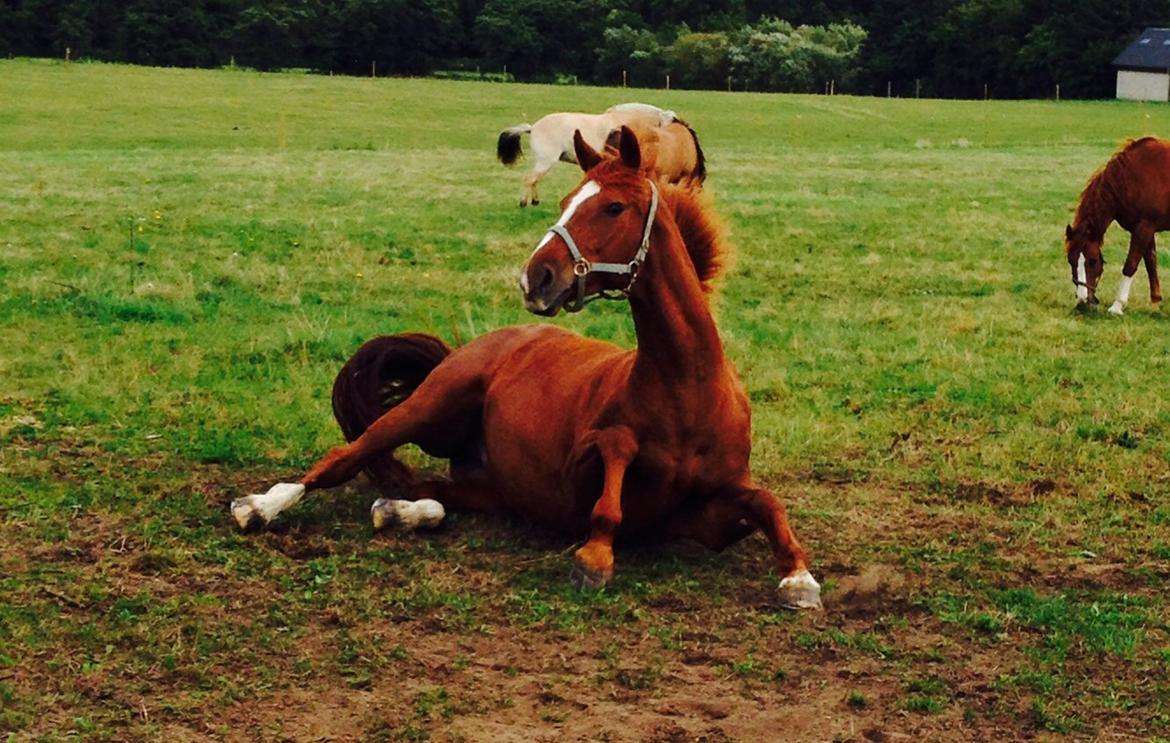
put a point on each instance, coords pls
(582, 267)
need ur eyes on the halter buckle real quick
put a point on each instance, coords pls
(581, 268)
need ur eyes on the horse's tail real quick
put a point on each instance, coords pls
(380, 375)
(508, 146)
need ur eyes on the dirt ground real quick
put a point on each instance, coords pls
(472, 633)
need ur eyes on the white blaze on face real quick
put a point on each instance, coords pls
(1082, 279)
(588, 191)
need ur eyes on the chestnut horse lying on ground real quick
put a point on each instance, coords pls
(573, 433)
(1134, 189)
(551, 139)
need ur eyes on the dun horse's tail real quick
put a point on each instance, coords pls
(700, 173)
(508, 146)
(383, 373)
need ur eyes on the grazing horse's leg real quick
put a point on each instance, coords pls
(1151, 259)
(594, 568)
(1136, 249)
(798, 589)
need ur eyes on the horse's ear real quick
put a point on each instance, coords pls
(631, 154)
(587, 157)
(1068, 232)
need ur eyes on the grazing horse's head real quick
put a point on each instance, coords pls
(599, 243)
(1084, 258)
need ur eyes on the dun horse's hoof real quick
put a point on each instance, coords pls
(800, 591)
(584, 578)
(410, 515)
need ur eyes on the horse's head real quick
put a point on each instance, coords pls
(1084, 258)
(599, 243)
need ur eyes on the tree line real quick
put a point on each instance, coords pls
(938, 48)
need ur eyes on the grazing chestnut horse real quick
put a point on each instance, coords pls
(574, 433)
(1134, 189)
(552, 140)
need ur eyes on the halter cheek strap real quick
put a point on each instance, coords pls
(582, 267)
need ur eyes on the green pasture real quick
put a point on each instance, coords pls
(187, 257)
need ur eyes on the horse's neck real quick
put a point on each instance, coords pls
(1097, 209)
(677, 338)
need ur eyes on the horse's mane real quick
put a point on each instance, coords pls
(1097, 203)
(700, 159)
(701, 229)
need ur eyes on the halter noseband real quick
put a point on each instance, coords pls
(582, 267)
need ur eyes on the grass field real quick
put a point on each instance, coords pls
(186, 257)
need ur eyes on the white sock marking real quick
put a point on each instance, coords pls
(588, 191)
(1082, 290)
(1118, 306)
(279, 497)
(1123, 290)
(411, 515)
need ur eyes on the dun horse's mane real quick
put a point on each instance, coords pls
(1097, 204)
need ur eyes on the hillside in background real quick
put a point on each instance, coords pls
(936, 48)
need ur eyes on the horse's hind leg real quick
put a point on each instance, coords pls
(439, 416)
(462, 494)
(1150, 256)
(544, 156)
(530, 195)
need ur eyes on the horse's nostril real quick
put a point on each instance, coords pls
(546, 280)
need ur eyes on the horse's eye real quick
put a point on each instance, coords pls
(614, 208)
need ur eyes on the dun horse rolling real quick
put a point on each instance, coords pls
(573, 433)
(551, 140)
(1133, 188)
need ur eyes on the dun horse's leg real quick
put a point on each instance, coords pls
(594, 567)
(1127, 274)
(538, 171)
(798, 589)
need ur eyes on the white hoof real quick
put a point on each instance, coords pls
(406, 514)
(257, 511)
(800, 591)
(1117, 308)
(246, 516)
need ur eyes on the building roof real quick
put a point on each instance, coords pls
(1150, 51)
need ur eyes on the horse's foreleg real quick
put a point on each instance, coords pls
(1136, 250)
(617, 448)
(762, 509)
